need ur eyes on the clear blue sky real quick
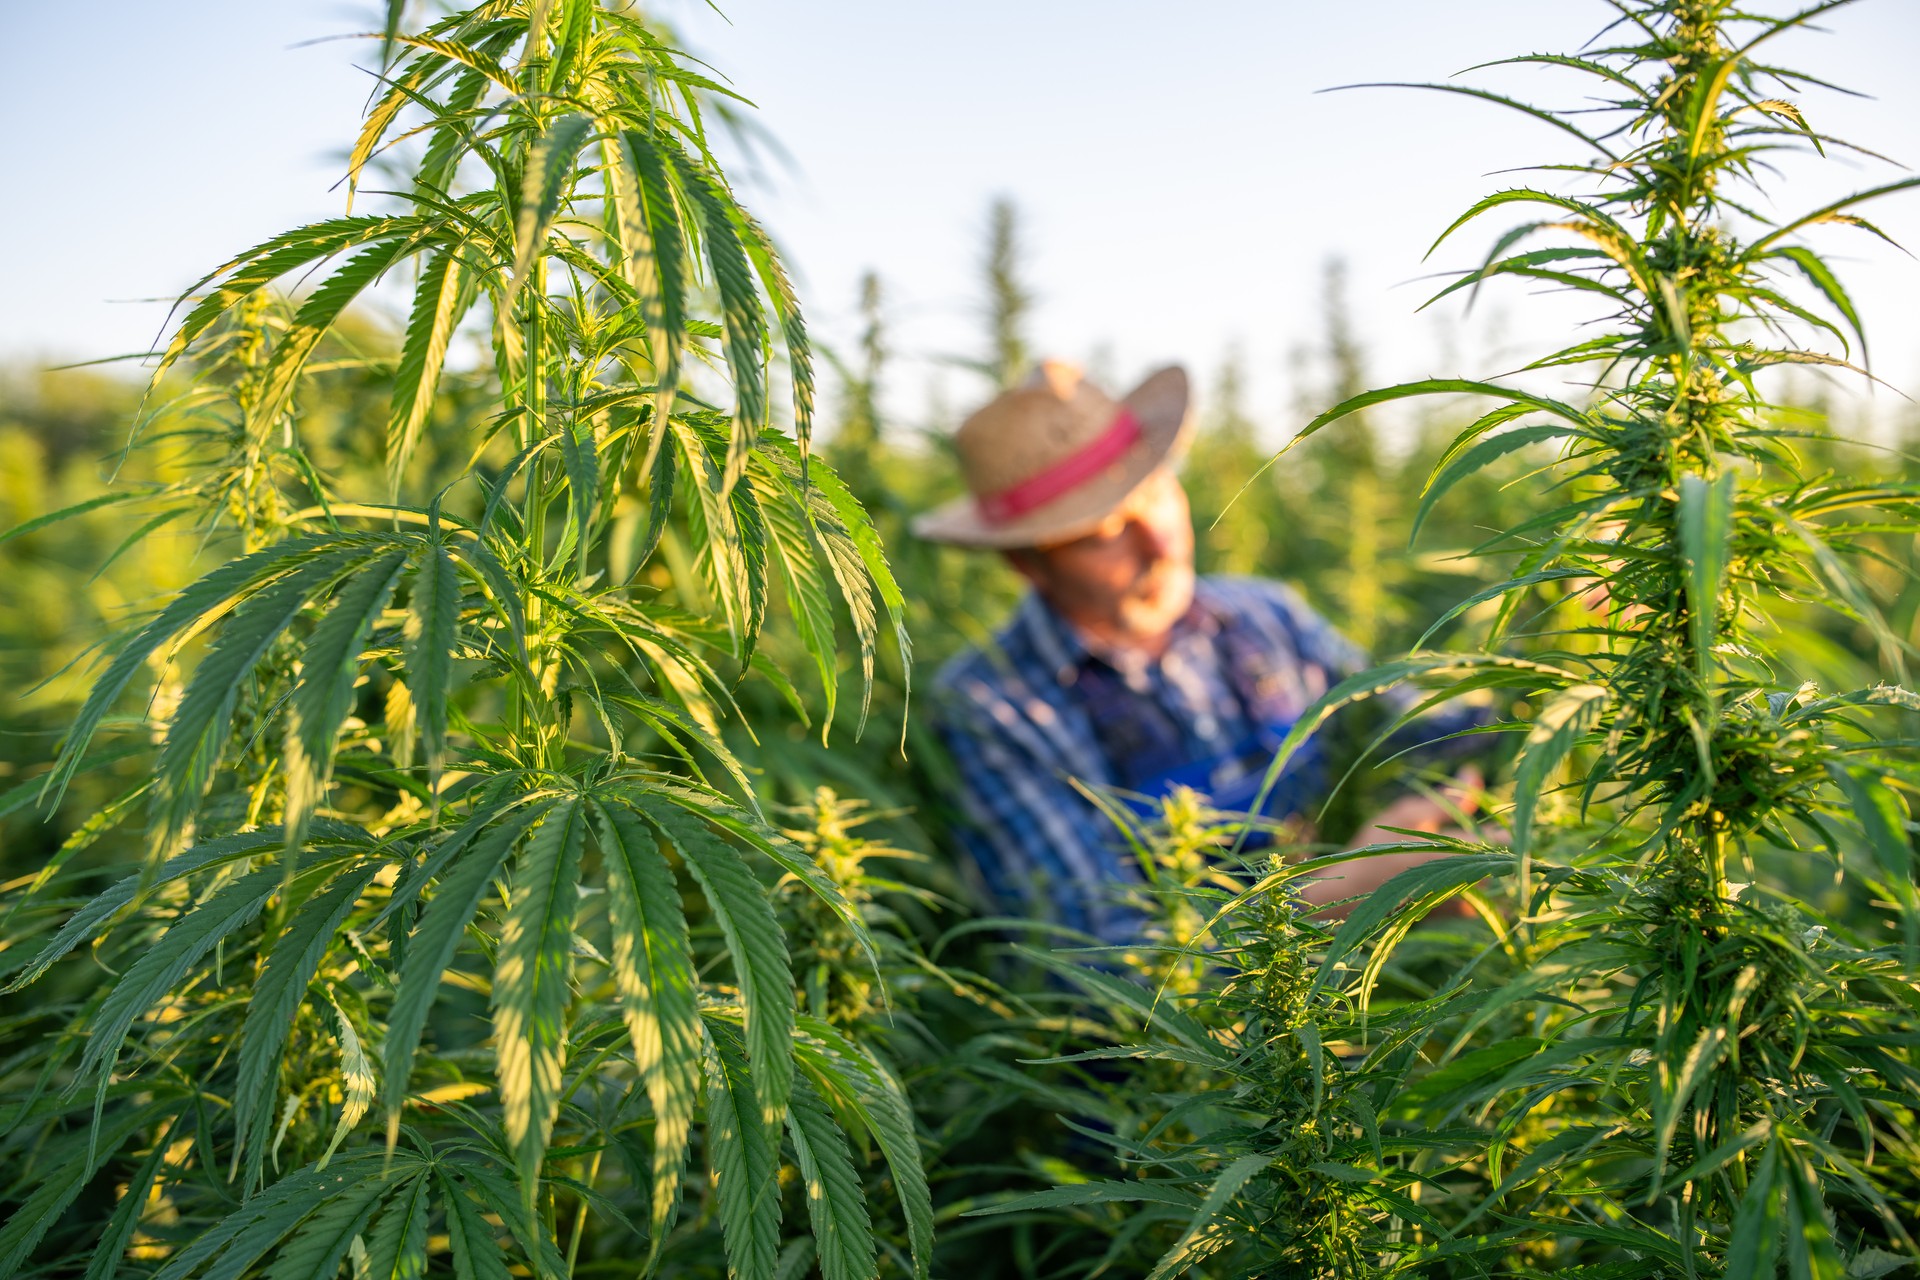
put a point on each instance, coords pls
(1181, 177)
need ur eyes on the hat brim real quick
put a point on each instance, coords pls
(1160, 405)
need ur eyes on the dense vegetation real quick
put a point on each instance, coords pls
(444, 866)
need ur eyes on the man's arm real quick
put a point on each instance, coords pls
(1363, 876)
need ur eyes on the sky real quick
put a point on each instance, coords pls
(1181, 178)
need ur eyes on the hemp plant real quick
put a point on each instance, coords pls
(450, 941)
(1701, 1075)
(1235, 1139)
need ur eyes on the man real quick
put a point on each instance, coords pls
(1121, 669)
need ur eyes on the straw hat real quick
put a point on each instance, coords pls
(1050, 459)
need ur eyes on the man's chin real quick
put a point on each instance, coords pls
(1155, 612)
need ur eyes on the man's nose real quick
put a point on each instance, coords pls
(1154, 542)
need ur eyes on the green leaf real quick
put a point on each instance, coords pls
(203, 599)
(531, 987)
(746, 343)
(431, 948)
(653, 971)
(67, 513)
(743, 1161)
(133, 1205)
(1412, 892)
(1075, 1194)
(1756, 1227)
(797, 561)
(197, 734)
(1442, 386)
(582, 463)
(432, 628)
(793, 327)
(852, 545)
(1487, 670)
(81, 925)
(1206, 1235)
(315, 318)
(1883, 817)
(854, 1080)
(1561, 724)
(397, 1247)
(659, 271)
(438, 303)
(836, 1202)
(754, 941)
(268, 261)
(735, 562)
(550, 173)
(291, 964)
(316, 1250)
(262, 1220)
(477, 1254)
(329, 669)
(781, 851)
(1456, 468)
(197, 931)
(1706, 530)
(1815, 268)
(59, 1182)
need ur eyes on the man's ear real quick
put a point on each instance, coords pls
(1027, 562)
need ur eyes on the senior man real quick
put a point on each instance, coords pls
(1121, 669)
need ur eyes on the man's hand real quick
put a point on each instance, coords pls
(1415, 812)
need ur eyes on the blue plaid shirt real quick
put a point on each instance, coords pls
(1019, 720)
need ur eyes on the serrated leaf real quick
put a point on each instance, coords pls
(197, 931)
(659, 271)
(266, 262)
(550, 173)
(80, 926)
(477, 1254)
(321, 702)
(397, 1246)
(653, 971)
(192, 605)
(836, 1203)
(1559, 727)
(315, 1251)
(746, 343)
(531, 987)
(431, 948)
(1414, 890)
(1706, 528)
(432, 629)
(743, 1162)
(754, 942)
(855, 1081)
(437, 307)
(197, 733)
(1206, 1235)
(60, 1182)
(260, 1222)
(315, 319)
(1456, 468)
(358, 1083)
(292, 961)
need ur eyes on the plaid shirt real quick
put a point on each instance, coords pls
(1019, 720)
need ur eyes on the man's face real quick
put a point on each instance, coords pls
(1130, 579)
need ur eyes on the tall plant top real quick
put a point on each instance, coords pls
(464, 728)
(1683, 752)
